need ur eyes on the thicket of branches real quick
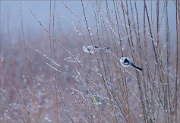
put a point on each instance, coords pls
(51, 79)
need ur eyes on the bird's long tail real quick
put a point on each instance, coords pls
(136, 67)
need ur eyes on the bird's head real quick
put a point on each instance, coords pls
(125, 61)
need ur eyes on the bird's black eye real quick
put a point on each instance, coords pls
(126, 60)
(95, 46)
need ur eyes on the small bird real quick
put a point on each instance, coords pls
(126, 62)
(90, 49)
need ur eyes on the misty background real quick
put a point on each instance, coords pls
(10, 15)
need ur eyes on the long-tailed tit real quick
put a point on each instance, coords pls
(126, 62)
(92, 49)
